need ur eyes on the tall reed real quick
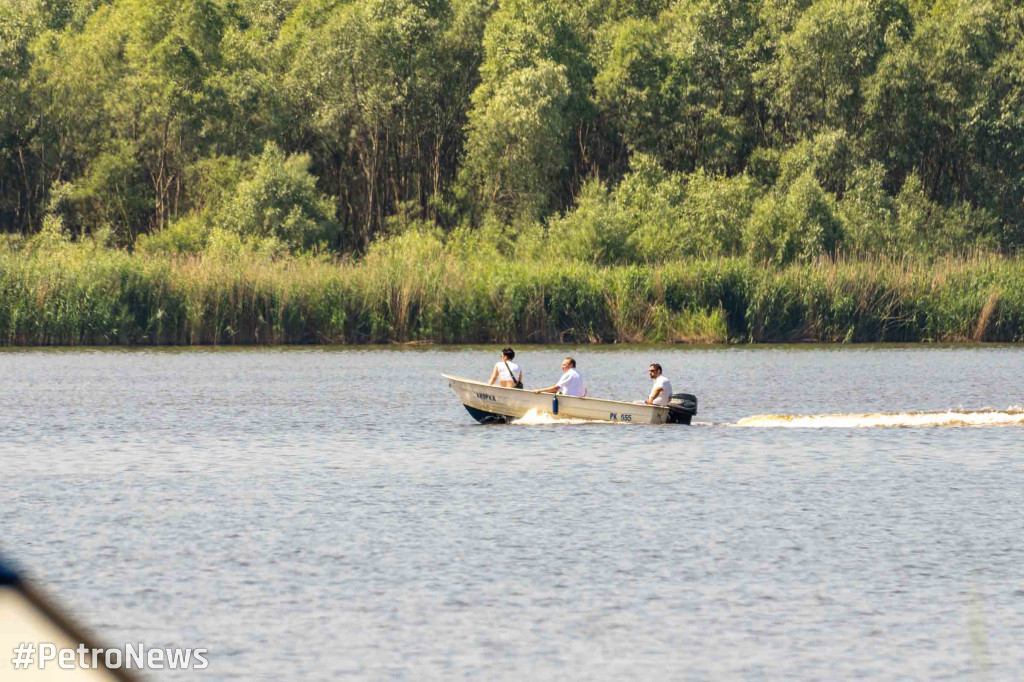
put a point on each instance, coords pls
(84, 294)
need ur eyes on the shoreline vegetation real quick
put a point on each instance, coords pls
(59, 292)
(511, 171)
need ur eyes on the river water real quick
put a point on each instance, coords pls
(321, 513)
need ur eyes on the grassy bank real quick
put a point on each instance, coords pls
(72, 294)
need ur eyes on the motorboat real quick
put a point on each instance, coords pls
(496, 405)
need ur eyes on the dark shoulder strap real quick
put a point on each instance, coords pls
(510, 372)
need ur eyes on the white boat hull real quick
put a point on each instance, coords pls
(495, 404)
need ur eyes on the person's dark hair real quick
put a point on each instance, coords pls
(508, 353)
(656, 366)
(572, 363)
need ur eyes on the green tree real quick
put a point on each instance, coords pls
(801, 224)
(1000, 126)
(20, 188)
(634, 87)
(829, 156)
(679, 86)
(278, 198)
(596, 231)
(868, 214)
(697, 215)
(535, 80)
(922, 103)
(835, 44)
(927, 228)
(380, 88)
(124, 103)
(516, 147)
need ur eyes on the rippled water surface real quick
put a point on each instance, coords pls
(314, 514)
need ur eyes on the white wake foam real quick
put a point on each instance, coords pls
(535, 418)
(1014, 416)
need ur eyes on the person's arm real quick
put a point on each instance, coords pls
(494, 376)
(554, 389)
(521, 377)
(654, 394)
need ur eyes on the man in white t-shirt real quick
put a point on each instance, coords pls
(506, 372)
(661, 392)
(571, 383)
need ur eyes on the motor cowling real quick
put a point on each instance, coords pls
(682, 407)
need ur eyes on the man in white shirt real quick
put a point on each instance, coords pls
(571, 382)
(661, 392)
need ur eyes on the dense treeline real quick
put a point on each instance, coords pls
(611, 132)
(236, 171)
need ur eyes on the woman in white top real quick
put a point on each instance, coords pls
(506, 372)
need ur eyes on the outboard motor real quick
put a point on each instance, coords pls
(681, 408)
